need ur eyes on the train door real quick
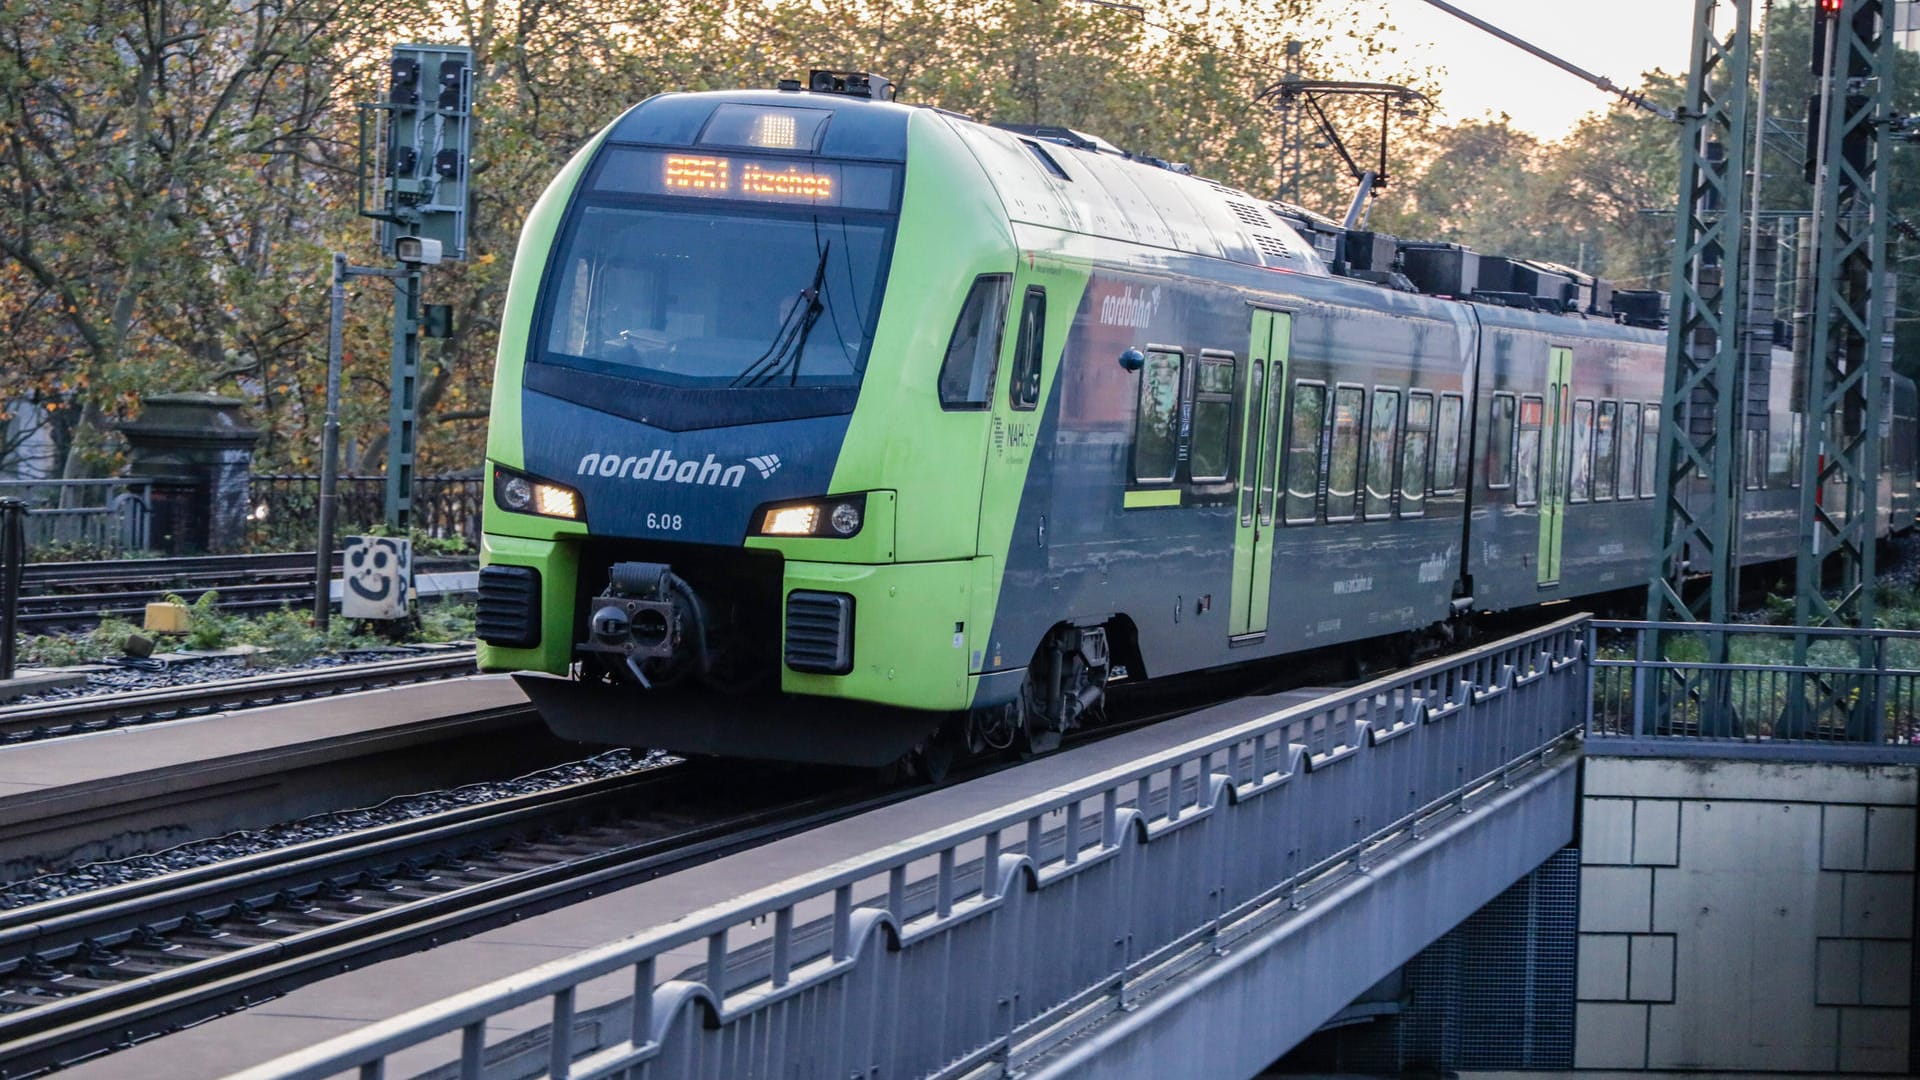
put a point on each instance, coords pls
(1259, 461)
(1554, 462)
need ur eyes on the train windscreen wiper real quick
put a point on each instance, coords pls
(790, 337)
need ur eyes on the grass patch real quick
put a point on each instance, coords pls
(287, 634)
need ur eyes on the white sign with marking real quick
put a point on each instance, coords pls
(376, 577)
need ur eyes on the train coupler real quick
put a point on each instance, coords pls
(650, 623)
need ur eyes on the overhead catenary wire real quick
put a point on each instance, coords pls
(1567, 66)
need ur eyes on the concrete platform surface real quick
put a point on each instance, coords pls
(38, 681)
(326, 1009)
(62, 796)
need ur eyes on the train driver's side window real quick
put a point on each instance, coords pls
(973, 352)
(1156, 427)
(1500, 441)
(1023, 392)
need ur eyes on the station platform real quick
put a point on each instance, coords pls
(139, 788)
(380, 991)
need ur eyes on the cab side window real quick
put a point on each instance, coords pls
(1023, 392)
(1156, 426)
(973, 352)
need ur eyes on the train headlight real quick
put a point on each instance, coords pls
(835, 518)
(524, 494)
(791, 520)
(516, 493)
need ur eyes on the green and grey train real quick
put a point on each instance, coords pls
(828, 428)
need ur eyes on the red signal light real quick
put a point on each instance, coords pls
(1831, 7)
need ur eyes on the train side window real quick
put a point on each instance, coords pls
(1156, 430)
(1649, 449)
(1023, 392)
(1756, 458)
(973, 352)
(1343, 452)
(1212, 419)
(1382, 427)
(1582, 471)
(1629, 447)
(1797, 446)
(1500, 441)
(1526, 484)
(1605, 447)
(1303, 452)
(1780, 470)
(1413, 454)
(1446, 446)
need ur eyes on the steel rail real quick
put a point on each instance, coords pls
(547, 851)
(81, 715)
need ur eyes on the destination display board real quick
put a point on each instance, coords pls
(747, 177)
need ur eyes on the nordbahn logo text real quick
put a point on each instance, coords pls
(663, 467)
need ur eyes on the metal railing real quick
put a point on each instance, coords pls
(989, 940)
(286, 507)
(111, 516)
(1717, 684)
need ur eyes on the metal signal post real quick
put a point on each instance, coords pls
(1847, 371)
(1700, 405)
(425, 130)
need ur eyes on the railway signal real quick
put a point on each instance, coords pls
(414, 184)
(416, 187)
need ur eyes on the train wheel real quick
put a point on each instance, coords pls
(934, 760)
(998, 728)
(1038, 734)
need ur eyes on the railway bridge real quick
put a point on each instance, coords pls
(1327, 873)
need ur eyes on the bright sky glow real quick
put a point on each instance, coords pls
(1619, 39)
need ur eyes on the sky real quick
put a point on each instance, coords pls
(1618, 39)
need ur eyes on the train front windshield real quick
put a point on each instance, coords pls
(715, 272)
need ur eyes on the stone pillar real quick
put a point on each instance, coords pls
(198, 450)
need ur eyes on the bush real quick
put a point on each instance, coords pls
(445, 621)
(101, 643)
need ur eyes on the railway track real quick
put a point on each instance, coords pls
(82, 715)
(75, 595)
(85, 974)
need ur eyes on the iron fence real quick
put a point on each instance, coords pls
(99, 517)
(1715, 683)
(990, 941)
(286, 507)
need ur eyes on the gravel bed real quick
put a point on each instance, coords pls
(234, 845)
(113, 679)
